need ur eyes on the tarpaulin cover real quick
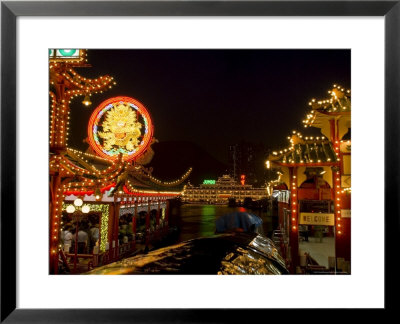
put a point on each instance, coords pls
(244, 220)
(222, 254)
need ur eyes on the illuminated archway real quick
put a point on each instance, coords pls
(314, 183)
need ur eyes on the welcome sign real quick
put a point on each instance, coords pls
(317, 219)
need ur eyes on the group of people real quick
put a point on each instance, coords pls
(125, 231)
(88, 236)
(88, 232)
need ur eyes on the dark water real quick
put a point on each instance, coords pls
(199, 220)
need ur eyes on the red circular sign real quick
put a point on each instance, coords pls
(120, 125)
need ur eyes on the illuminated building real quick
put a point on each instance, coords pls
(220, 191)
(314, 185)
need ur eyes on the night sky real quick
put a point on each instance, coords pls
(216, 98)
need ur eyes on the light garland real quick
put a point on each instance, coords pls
(55, 228)
(287, 155)
(62, 90)
(96, 157)
(337, 202)
(333, 105)
(294, 207)
(130, 190)
(346, 190)
(110, 172)
(172, 183)
(59, 102)
(104, 209)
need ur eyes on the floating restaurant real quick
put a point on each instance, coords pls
(102, 204)
(221, 191)
(313, 189)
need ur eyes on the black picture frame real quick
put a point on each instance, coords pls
(10, 10)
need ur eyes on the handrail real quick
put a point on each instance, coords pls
(279, 238)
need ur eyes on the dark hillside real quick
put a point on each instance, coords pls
(173, 158)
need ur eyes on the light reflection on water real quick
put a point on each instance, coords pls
(199, 220)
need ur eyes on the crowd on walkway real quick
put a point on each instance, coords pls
(86, 238)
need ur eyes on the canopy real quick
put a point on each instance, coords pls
(223, 254)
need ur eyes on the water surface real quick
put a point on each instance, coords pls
(199, 220)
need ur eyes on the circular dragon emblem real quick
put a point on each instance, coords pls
(120, 125)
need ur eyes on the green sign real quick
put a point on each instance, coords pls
(64, 53)
(209, 182)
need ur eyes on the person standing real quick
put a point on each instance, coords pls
(95, 234)
(67, 238)
(83, 239)
(306, 233)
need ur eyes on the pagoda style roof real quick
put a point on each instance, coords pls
(315, 151)
(339, 103)
(137, 178)
(86, 173)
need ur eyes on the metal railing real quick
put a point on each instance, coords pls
(281, 242)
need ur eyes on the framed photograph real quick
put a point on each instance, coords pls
(287, 45)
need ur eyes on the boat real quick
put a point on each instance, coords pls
(221, 254)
